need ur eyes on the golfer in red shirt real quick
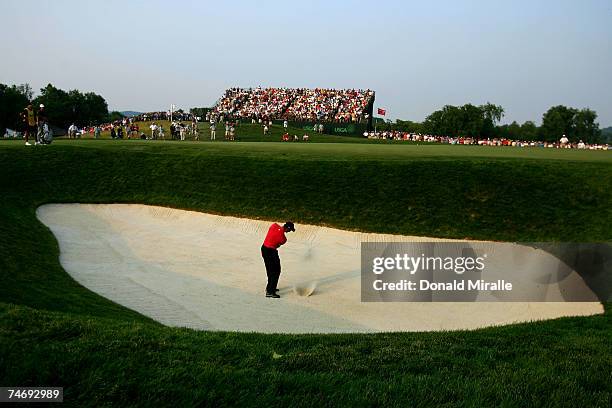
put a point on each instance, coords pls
(269, 251)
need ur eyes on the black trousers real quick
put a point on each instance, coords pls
(273, 267)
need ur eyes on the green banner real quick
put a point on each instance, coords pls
(347, 129)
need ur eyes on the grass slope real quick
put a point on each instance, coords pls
(55, 332)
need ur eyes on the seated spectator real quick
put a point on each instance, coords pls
(326, 105)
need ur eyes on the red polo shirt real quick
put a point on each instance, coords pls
(276, 236)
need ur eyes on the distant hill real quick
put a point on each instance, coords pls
(130, 113)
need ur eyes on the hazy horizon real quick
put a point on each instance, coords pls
(143, 56)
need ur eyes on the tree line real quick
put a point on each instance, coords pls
(483, 122)
(200, 112)
(84, 109)
(63, 107)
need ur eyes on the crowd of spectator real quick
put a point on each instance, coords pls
(128, 128)
(325, 105)
(315, 105)
(230, 102)
(562, 143)
(265, 103)
(352, 107)
(157, 116)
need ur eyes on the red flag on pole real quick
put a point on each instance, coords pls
(382, 112)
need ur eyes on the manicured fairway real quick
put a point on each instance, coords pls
(380, 151)
(55, 332)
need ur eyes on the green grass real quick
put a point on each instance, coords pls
(55, 332)
(335, 147)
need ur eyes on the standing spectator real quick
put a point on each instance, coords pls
(213, 131)
(194, 130)
(564, 140)
(134, 129)
(96, 132)
(72, 131)
(153, 128)
(30, 124)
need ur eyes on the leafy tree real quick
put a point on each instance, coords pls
(13, 99)
(467, 120)
(472, 120)
(492, 112)
(585, 127)
(606, 134)
(433, 123)
(56, 104)
(502, 132)
(114, 116)
(558, 121)
(575, 124)
(408, 126)
(514, 131)
(64, 108)
(452, 120)
(200, 112)
(529, 131)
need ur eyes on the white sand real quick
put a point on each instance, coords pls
(203, 271)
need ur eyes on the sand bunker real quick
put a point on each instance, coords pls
(203, 271)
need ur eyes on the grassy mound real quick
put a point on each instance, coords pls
(55, 332)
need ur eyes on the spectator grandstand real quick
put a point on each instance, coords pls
(268, 103)
(306, 105)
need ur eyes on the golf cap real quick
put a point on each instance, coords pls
(289, 226)
(41, 105)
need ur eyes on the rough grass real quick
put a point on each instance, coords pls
(55, 332)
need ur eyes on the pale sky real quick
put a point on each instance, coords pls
(416, 55)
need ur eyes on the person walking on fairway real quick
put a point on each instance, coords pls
(269, 251)
(213, 131)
